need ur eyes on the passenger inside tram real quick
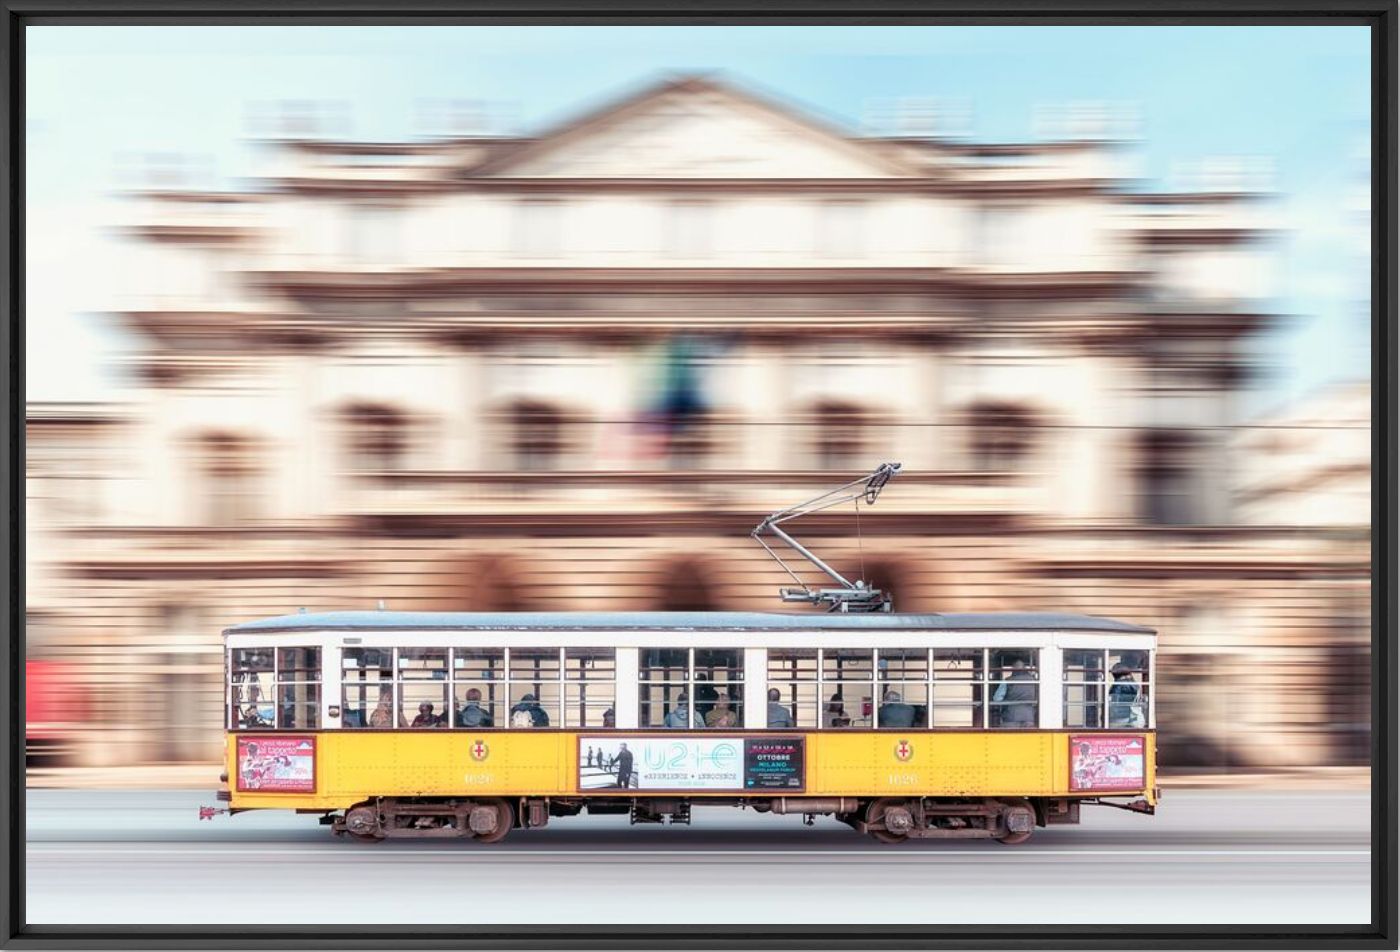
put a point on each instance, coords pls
(1125, 702)
(894, 712)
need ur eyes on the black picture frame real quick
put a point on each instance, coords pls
(1379, 15)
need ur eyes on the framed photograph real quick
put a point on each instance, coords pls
(537, 476)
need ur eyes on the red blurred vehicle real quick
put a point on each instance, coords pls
(55, 708)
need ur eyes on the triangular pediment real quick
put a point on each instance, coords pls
(697, 128)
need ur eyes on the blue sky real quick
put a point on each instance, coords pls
(1298, 96)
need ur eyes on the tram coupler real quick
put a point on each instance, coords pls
(1136, 806)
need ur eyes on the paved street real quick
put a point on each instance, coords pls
(1209, 856)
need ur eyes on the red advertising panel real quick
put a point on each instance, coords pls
(277, 764)
(1107, 762)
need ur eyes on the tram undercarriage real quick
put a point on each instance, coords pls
(1010, 820)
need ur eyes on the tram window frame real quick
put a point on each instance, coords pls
(301, 691)
(1143, 701)
(1104, 716)
(1005, 667)
(803, 706)
(362, 710)
(890, 676)
(1091, 687)
(592, 714)
(534, 683)
(277, 693)
(865, 680)
(490, 679)
(973, 686)
(415, 686)
(733, 683)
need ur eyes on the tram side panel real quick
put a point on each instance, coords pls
(332, 770)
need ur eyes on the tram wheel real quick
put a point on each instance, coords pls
(362, 823)
(1011, 839)
(875, 813)
(505, 818)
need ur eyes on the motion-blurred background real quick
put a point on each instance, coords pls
(560, 346)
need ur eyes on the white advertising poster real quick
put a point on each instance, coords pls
(661, 763)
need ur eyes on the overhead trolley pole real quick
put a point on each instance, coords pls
(857, 596)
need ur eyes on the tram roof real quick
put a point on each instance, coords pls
(684, 621)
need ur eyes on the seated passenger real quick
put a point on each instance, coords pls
(681, 716)
(779, 717)
(835, 715)
(473, 714)
(528, 713)
(383, 713)
(894, 712)
(1125, 707)
(1015, 699)
(426, 717)
(609, 720)
(720, 715)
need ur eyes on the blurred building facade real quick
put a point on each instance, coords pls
(1309, 464)
(572, 371)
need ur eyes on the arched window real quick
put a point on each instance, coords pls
(1001, 436)
(376, 437)
(536, 435)
(1170, 460)
(840, 437)
(230, 470)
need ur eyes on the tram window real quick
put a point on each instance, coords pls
(1106, 687)
(299, 706)
(590, 686)
(478, 664)
(299, 688)
(478, 699)
(534, 675)
(719, 687)
(959, 678)
(851, 703)
(792, 672)
(1128, 694)
(664, 692)
(422, 664)
(685, 688)
(367, 688)
(1084, 676)
(251, 699)
(298, 664)
(1014, 701)
(903, 689)
(664, 664)
(369, 705)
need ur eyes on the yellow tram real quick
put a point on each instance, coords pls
(394, 724)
